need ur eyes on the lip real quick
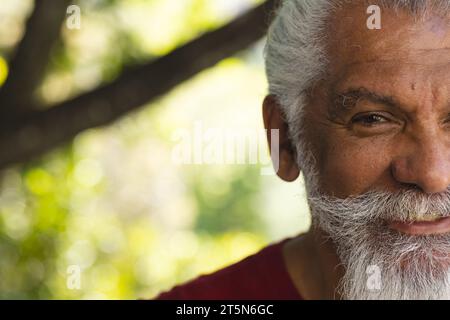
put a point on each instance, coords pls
(439, 226)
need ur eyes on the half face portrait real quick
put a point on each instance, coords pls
(360, 91)
(226, 150)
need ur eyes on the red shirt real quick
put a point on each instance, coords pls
(261, 276)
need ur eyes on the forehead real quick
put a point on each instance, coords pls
(404, 51)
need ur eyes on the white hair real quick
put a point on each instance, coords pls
(295, 56)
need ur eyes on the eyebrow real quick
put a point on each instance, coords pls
(346, 101)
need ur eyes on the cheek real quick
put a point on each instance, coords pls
(352, 168)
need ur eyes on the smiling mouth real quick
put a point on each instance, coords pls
(424, 225)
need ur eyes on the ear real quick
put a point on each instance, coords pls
(273, 119)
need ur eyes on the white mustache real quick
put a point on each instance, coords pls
(376, 206)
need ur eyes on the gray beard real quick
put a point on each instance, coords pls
(381, 263)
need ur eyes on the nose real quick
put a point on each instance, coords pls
(427, 166)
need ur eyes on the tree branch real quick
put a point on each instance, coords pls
(28, 65)
(134, 88)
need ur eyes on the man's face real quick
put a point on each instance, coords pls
(379, 129)
(381, 121)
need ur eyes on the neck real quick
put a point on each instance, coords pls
(313, 265)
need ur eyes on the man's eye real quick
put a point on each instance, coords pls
(368, 119)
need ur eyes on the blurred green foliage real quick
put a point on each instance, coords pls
(112, 202)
